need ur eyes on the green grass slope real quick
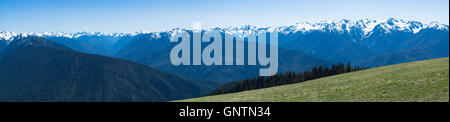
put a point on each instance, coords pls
(422, 81)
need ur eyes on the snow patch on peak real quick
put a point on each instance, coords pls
(392, 24)
(436, 25)
(367, 25)
(135, 33)
(176, 31)
(8, 35)
(395, 24)
(305, 26)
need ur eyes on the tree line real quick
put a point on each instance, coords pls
(286, 78)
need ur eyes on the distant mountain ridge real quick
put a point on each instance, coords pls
(154, 52)
(363, 26)
(87, 42)
(328, 41)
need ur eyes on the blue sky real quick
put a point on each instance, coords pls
(131, 15)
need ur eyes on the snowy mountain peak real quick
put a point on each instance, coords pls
(364, 26)
(436, 25)
(8, 35)
(392, 24)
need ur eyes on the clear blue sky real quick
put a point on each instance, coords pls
(131, 15)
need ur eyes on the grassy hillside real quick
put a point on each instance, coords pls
(421, 81)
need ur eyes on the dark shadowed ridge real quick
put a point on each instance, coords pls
(35, 69)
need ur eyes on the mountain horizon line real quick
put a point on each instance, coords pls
(368, 25)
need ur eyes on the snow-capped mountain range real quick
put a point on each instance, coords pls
(10, 35)
(365, 42)
(364, 27)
